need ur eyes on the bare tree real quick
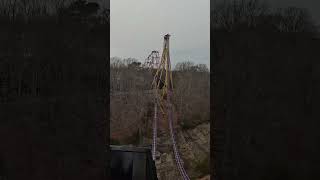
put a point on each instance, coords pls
(116, 67)
(228, 14)
(128, 61)
(4, 7)
(134, 65)
(25, 9)
(202, 68)
(105, 15)
(294, 19)
(12, 8)
(184, 66)
(116, 62)
(191, 67)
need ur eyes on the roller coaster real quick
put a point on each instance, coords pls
(162, 91)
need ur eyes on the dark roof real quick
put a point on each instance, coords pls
(128, 162)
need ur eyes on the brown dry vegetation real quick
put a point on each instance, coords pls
(132, 109)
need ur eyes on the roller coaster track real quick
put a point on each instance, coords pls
(163, 98)
(162, 90)
(175, 149)
(154, 142)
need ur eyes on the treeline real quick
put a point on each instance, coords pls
(129, 74)
(29, 10)
(52, 29)
(239, 15)
(116, 63)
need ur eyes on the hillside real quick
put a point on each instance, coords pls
(132, 118)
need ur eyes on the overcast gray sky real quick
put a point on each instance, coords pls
(138, 27)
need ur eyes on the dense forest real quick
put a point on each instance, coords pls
(265, 75)
(53, 89)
